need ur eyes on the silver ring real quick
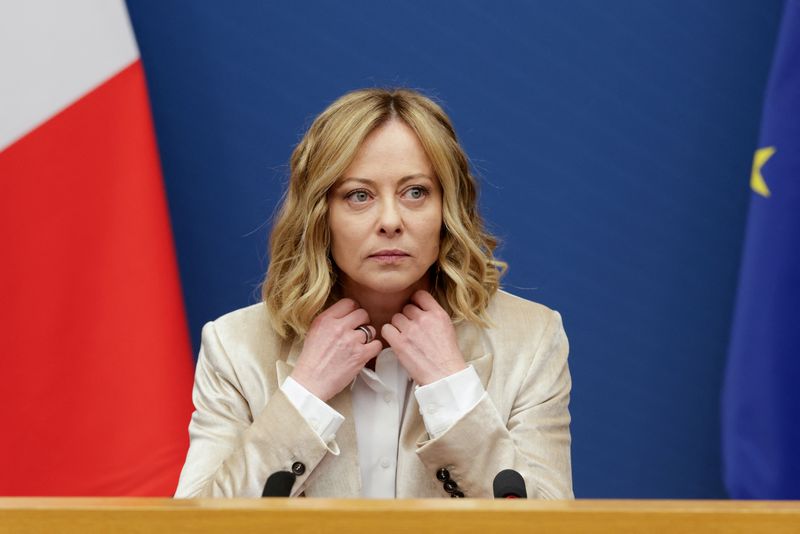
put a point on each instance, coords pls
(367, 333)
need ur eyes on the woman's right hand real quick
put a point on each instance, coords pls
(334, 351)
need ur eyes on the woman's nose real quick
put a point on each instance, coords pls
(390, 220)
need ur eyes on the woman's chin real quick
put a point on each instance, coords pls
(392, 285)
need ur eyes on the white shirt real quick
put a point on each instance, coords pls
(379, 400)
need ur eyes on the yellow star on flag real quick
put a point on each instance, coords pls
(757, 182)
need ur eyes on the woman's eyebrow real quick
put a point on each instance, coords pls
(402, 180)
(366, 181)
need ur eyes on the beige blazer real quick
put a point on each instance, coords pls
(244, 428)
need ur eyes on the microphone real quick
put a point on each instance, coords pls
(279, 484)
(508, 484)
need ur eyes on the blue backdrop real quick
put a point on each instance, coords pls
(614, 141)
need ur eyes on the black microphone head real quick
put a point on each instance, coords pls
(508, 484)
(279, 484)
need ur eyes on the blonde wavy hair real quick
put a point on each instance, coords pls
(301, 279)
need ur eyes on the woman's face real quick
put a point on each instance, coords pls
(385, 213)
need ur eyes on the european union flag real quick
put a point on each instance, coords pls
(761, 400)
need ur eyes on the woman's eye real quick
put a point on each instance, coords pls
(358, 196)
(415, 193)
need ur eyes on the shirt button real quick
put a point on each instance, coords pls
(385, 463)
(298, 468)
(442, 474)
(387, 397)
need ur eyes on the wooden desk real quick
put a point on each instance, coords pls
(285, 516)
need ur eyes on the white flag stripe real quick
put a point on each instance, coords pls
(52, 52)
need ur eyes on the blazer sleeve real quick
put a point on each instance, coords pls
(534, 440)
(231, 451)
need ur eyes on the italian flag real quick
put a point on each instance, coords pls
(95, 361)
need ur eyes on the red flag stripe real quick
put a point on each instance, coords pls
(95, 388)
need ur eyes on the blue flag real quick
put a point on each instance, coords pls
(761, 398)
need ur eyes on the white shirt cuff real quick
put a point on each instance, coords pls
(447, 400)
(322, 418)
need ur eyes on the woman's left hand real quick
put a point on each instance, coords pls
(424, 340)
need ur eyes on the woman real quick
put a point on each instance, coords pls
(384, 361)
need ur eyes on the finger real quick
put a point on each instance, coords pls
(390, 334)
(400, 321)
(425, 300)
(372, 349)
(355, 318)
(412, 311)
(341, 308)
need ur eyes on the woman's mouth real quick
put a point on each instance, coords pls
(389, 256)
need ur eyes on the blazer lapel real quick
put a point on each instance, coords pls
(476, 350)
(336, 475)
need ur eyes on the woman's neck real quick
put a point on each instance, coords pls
(381, 307)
